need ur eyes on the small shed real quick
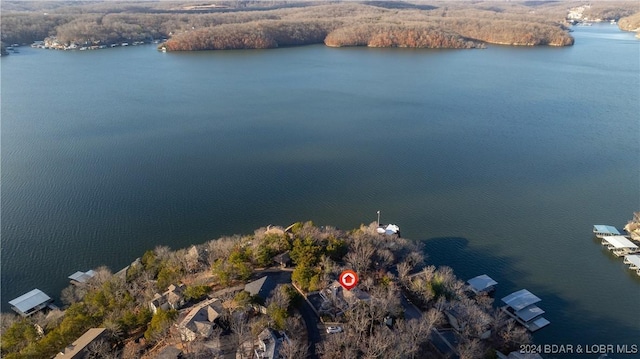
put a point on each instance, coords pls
(30, 303)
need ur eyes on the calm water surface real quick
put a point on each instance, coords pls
(500, 160)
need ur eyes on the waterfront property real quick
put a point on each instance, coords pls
(200, 321)
(601, 230)
(77, 350)
(30, 303)
(173, 298)
(619, 245)
(482, 284)
(521, 306)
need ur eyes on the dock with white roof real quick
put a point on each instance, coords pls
(619, 245)
(633, 260)
(482, 284)
(30, 303)
(521, 306)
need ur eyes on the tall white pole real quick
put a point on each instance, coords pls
(378, 218)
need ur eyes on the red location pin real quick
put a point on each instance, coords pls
(348, 279)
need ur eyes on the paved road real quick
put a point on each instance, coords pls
(311, 321)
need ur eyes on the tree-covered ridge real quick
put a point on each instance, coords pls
(246, 24)
(389, 267)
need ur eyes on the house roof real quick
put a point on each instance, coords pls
(601, 228)
(481, 282)
(272, 341)
(30, 300)
(207, 311)
(261, 287)
(520, 299)
(73, 350)
(619, 242)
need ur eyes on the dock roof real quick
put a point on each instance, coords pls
(82, 277)
(633, 259)
(481, 282)
(520, 299)
(601, 228)
(619, 242)
(28, 301)
(529, 312)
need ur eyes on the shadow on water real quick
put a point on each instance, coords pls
(563, 314)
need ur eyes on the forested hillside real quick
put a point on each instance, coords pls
(252, 24)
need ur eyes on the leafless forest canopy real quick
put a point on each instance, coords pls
(269, 24)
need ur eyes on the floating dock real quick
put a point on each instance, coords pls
(521, 306)
(601, 230)
(619, 245)
(482, 284)
(633, 260)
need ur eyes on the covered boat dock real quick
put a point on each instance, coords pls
(633, 260)
(601, 230)
(521, 306)
(30, 303)
(619, 245)
(482, 284)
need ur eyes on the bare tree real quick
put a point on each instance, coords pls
(239, 324)
(294, 349)
(72, 294)
(101, 349)
(403, 271)
(379, 344)
(338, 346)
(359, 256)
(101, 276)
(470, 349)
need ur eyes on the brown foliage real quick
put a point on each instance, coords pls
(454, 24)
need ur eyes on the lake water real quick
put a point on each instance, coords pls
(500, 160)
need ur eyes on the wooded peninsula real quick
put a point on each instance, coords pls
(271, 294)
(189, 26)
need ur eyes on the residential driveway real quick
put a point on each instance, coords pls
(312, 322)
